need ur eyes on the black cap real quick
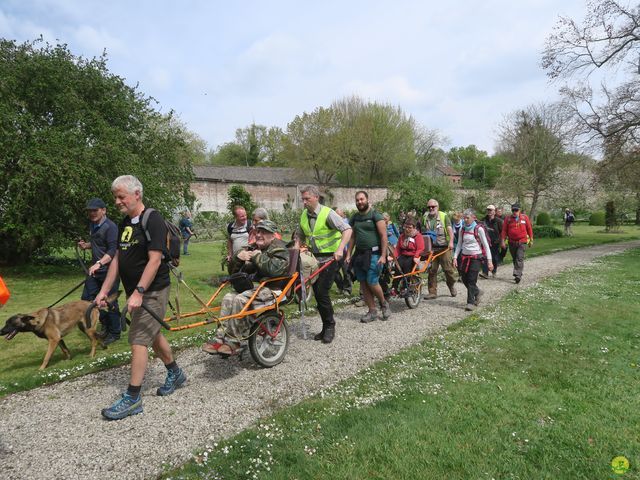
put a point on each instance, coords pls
(515, 206)
(95, 203)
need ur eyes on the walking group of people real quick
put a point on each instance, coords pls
(361, 246)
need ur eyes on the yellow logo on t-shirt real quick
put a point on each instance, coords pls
(127, 233)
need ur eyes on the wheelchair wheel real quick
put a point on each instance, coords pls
(267, 347)
(414, 291)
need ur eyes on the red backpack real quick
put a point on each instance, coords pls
(475, 234)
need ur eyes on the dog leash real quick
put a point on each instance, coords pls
(84, 269)
(68, 293)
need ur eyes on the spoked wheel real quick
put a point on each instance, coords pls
(414, 291)
(269, 339)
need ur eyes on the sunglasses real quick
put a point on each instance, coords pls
(432, 206)
(515, 209)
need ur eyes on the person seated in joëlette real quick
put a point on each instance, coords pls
(267, 258)
(408, 249)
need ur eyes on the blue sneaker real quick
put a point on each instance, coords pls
(174, 380)
(123, 407)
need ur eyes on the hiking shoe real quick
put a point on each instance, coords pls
(369, 317)
(329, 334)
(493, 274)
(123, 407)
(517, 279)
(110, 338)
(320, 335)
(386, 313)
(360, 303)
(174, 379)
(478, 295)
(469, 307)
(430, 296)
(453, 291)
(483, 275)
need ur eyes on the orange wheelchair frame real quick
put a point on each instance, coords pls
(269, 334)
(413, 290)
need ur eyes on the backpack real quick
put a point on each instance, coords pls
(442, 219)
(570, 217)
(477, 236)
(171, 250)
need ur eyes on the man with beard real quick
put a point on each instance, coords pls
(370, 241)
(326, 235)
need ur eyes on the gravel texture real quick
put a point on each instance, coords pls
(57, 432)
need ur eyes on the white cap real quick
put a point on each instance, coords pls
(491, 207)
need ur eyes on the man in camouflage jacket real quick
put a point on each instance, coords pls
(267, 258)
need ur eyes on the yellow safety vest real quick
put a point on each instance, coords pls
(323, 239)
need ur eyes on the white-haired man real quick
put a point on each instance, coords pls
(145, 278)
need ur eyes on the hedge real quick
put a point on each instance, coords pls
(546, 231)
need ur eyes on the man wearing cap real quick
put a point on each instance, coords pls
(517, 229)
(494, 229)
(268, 257)
(103, 234)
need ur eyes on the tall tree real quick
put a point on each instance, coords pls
(311, 144)
(600, 53)
(534, 141)
(69, 127)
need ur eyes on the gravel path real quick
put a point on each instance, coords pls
(57, 431)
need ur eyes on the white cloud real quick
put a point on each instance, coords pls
(94, 41)
(391, 89)
(160, 78)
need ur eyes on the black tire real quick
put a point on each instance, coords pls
(414, 293)
(268, 351)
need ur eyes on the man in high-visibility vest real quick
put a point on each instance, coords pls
(437, 225)
(326, 235)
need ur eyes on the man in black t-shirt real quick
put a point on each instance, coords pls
(145, 277)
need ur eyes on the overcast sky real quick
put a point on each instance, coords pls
(457, 67)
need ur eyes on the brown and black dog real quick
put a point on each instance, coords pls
(54, 323)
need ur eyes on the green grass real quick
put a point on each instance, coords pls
(543, 385)
(33, 287)
(37, 286)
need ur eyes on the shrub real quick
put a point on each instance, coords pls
(597, 219)
(543, 219)
(413, 191)
(238, 195)
(546, 231)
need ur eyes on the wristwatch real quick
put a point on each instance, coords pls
(140, 289)
(100, 263)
